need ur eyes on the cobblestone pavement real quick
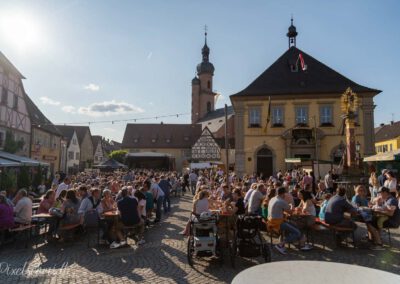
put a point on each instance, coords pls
(161, 260)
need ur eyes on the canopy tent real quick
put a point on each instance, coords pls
(110, 164)
(204, 165)
(148, 154)
(4, 163)
(387, 156)
(24, 161)
(150, 160)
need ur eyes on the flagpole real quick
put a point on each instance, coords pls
(226, 147)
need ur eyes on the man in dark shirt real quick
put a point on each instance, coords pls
(336, 208)
(129, 217)
(382, 178)
(166, 188)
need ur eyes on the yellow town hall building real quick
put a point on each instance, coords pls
(302, 96)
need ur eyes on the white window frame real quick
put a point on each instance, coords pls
(255, 117)
(326, 114)
(278, 115)
(301, 115)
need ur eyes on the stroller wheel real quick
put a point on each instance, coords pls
(266, 252)
(190, 250)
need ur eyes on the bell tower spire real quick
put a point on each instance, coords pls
(292, 33)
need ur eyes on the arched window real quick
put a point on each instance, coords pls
(209, 84)
(208, 106)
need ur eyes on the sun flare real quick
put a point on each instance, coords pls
(21, 31)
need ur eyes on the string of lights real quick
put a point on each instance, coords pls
(114, 120)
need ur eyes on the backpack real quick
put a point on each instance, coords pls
(91, 218)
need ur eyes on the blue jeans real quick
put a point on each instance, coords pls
(166, 203)
(291, 233)
(158, 208)
(193, 187)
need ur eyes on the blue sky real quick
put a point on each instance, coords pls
(111, 60)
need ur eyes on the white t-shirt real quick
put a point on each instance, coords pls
(255, 201)
(60, 188)
(23, 210)
(391, 184)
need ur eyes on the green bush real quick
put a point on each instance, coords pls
(118, 155)
(8, 180)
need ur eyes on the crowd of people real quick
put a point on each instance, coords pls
(84, 199)
(290, 202)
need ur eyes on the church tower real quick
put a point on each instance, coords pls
(203, 98)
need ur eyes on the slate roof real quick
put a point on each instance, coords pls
(38, 119)
(279, 79)
(219, 112)
(179, 136)
(9, 66)
(387, 132)
(68, 131)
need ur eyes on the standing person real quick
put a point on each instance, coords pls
(373, 185)
(56, 180)
(328, 182)
(166, 188)
(65, 185)
(158, 196)
(382, 177)
(193, 181)
(391, 183)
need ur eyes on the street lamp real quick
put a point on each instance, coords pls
(358, 147)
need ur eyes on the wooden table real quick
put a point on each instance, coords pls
(306, 272)
(42, 215)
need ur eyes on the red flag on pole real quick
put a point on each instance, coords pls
(303, 65)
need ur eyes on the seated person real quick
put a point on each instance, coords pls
(276, 208)
(129, 216)
(307, 208)
(107, 202)
(60, 199)
(389, 208)
(70, 209)
(6, 214)
(256, 199)
(47, 202)
(324, 204)
(23, 207)
(360, 198)
(238, 202)
(337, 206)
(271, 192)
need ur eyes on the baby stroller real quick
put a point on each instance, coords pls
(248, 241)
(203, 237)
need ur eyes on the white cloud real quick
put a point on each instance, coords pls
(48, 101)
(68, 109)
(109, 108)
(92, 87)
(150, 55)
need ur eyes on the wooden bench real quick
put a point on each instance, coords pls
(70, 228)
(337, 229)
(23, 228)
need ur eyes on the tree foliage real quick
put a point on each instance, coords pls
(24, 179)
(11, 145)
(118, 155)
